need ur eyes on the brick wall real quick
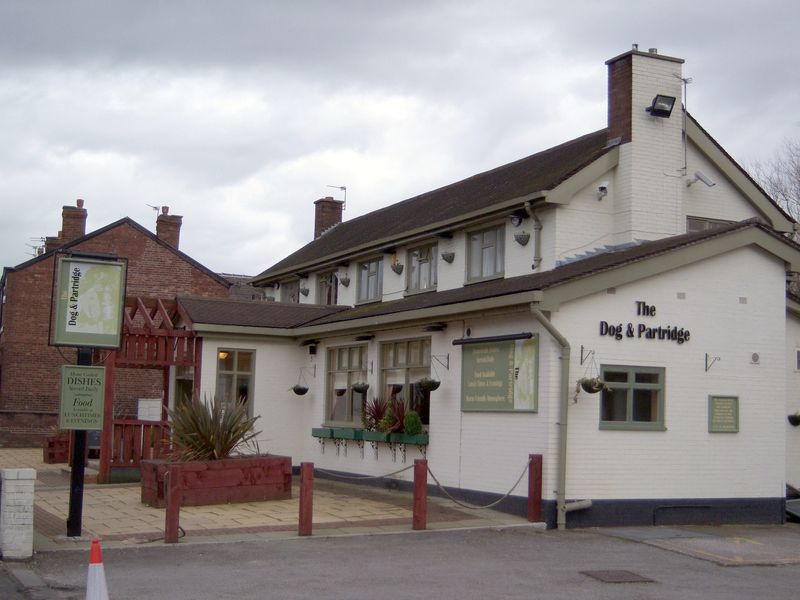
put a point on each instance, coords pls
(29, 368)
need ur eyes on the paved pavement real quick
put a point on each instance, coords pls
(115, 514)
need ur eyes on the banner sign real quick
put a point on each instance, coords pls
(500, 376)
(89, 301)
(82, 394)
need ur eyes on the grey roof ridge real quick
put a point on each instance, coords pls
(277, 272)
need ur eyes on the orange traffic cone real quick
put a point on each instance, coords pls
(96, 588)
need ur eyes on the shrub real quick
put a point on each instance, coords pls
(374, 412)
(412, 423)
(211, 431)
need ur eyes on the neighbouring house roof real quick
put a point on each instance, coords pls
(248, 313)
(131, 223)
(536, 173)
(293, 316)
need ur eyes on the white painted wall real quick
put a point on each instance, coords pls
(277, 364)
(730, 315)
(792, 400)
(722, 201)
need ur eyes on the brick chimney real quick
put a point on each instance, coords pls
(653, 73)
(168, 227)
(73, 226)
(73, 222)
(327, 213)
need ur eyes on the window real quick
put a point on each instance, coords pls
(695, 224)
(290, 291)
(184, 384)
(235, 376)
(635, 400)
(402, 365)
(346, 366)
(370, 280)
(327, 288)
(422, 269)
(485, 253)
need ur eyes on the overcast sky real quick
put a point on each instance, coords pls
(238, 115)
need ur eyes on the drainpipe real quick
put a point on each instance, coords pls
(561, 504)
(537, 238)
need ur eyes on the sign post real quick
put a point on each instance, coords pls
(87, 313)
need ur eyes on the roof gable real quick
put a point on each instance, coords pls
(125, 221)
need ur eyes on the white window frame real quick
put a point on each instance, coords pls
(367, 270)
(232, 392)
(290, 292)
(420, 368)
(349, 397)
(427, 254)
(328, 288)
(496, 245)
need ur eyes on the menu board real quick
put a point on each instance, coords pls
(500, 375)
(723, 414)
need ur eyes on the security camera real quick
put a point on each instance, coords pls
(602, 190)
(700, 176)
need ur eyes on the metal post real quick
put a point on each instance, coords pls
(420, 518)
(75, 516)
(534, 488)
(306, 498)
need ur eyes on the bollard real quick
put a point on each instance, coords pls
(420, 519)
(173, 494)
(535, 488)
(306, 498)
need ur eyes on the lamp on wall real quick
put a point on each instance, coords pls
(662, 106)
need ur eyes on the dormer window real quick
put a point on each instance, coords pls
(422, 268)
(370, 280)
(485, 253)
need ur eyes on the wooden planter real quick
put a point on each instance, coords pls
(230, 480)
(56, 449)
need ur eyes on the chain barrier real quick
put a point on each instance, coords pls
(358, 477)
(472, 506)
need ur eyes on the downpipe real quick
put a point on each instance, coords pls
(562, 507)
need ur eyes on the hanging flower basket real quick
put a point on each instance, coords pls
(360, 387)
(300, 390)
(593, 385)
(428, 384)
(794, 420)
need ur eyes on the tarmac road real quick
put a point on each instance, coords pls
(482, 564)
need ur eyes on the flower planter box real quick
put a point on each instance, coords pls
(374, 436)
(322, 432)
(230, 480)
(421, 439)
(346, 433)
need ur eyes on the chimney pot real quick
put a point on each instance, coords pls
(165, 210)
(79, 203)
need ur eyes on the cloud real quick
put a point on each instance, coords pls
(239, 115)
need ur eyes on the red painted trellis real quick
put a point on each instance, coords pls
(150, 340)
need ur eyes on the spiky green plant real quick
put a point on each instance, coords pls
(203, 430)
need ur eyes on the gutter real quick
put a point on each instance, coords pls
(562, 508)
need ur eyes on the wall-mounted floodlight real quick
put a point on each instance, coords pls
(700, 176)
(661, 106)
